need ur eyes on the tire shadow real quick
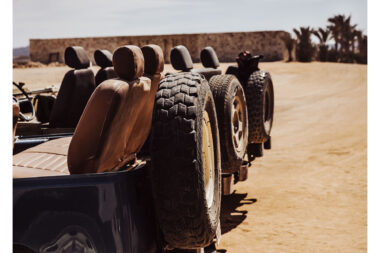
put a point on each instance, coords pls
(230, 218)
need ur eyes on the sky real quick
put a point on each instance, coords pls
(94, 18)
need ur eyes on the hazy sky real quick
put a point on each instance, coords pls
(83, 18)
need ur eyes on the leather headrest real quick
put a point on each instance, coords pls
(154, 59)
(76, 57)
(103, 58)
(180, 58)
(128, 62)
(209, 58)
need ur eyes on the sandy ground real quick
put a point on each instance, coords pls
(309, 193)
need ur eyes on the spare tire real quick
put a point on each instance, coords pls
(185, 153)
(232, 114)
(260, 102)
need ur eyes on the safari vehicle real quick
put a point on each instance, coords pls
(142, 172)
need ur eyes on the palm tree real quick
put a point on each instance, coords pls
(323, 35)
(335, 27)
(304, 49)
(361, 41)
(343, 34)
(348, 34)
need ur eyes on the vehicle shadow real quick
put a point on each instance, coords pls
(230, 218)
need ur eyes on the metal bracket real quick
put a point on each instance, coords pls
(268, 143)
(227, 184)
(243, 171)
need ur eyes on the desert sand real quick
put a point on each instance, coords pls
(309, 192)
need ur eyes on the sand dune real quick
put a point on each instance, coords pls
(307, 194)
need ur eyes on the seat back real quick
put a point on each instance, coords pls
(116, 121)
(76, 88)
(103, 58)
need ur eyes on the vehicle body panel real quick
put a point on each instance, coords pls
(107, 212)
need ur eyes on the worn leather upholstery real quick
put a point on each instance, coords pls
(47, 159)
(209, 58)
(103, 58)
(116, 121)
(128, 62)
(154, 65)
(76, 88)
(180, 58)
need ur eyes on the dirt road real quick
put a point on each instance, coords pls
(307, 194)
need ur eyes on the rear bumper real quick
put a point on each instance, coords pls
(108, 212)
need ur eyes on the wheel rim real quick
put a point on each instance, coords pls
(208, 159)
(238, 126)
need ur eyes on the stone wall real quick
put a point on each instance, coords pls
(226, 45)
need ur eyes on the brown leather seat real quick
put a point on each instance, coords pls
(76, 88)
(113, 127)
(117, 118)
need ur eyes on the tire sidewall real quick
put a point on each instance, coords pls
(268, 88)
(208, 106)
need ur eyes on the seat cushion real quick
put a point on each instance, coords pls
(47, 159)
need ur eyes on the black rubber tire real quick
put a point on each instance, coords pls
(183, 215)
(260, 102)
(224, 89)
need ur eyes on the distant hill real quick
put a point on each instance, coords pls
(21, 51)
